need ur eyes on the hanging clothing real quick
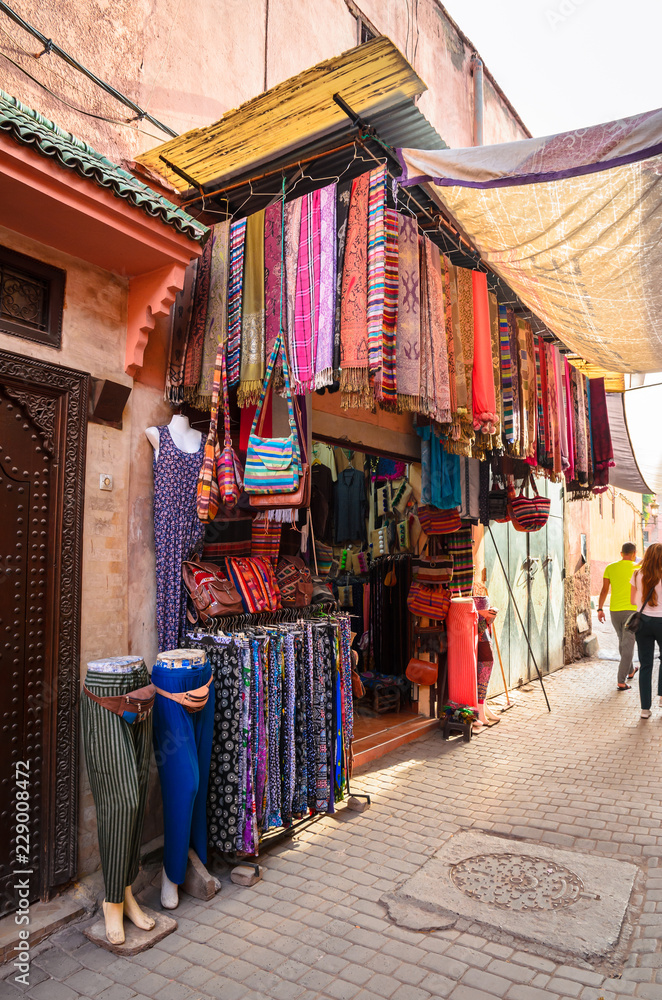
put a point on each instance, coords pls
(303, 343)
(252, 361)
(350, 506)
(117, 756)
(177, 532)
(180, 324)
(235, 298)
(408, 336)
(388, 384)
(182, 749)
(434, 392)
(462, 633)
(376, 247)
(460, 547)
(440, 472)
(327, 288)
(274, 281)
(194, 347)
(483, 400)
(354, 379)
(343, 192)
(600, 435)
(216, 320)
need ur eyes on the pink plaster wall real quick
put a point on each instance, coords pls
(188, 70)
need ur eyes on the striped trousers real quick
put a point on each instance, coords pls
(117, 759)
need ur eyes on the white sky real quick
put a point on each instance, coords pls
(565, 64)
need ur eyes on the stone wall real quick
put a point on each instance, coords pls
(577, 588)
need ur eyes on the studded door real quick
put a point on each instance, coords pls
(42, 435)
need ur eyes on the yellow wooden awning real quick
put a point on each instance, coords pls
(369, 78)
(614, 381)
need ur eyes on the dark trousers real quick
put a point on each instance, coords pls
(117, 757)
(650, 632)
(182, 747)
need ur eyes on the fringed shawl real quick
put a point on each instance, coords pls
(327, 288)
(387, 386)
(485, 418)
(354, 379)
(235, 298)
(196, 339)
(303, 343)
(376, 246)
(408, 337)
(252, 321)
(216, 324)
(434, 394)
(180, 319)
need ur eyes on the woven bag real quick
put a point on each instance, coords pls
(439, 522)
(428, 602)
(295, 582)
(273, 465)
(228, 470)
(528, 513)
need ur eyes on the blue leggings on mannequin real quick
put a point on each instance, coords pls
(182, 748)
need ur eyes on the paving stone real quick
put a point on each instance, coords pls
(50, 990)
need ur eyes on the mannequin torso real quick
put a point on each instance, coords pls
(183, 435)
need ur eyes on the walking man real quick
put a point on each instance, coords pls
(619, 575)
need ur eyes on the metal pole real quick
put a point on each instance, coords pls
(526, 635)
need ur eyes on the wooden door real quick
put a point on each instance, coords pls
(43, 417)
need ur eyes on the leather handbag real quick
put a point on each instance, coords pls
(421, 672)
(212, 595)
(428, 602)
(633, 622)
(192, 701)
(439, 522)
(273, 465)
(284, 501)
(295, 582)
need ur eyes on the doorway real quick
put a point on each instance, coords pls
(43, 424)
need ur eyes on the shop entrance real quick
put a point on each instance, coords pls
(534, 563)
(43, 419)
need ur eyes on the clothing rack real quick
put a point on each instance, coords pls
(281, 753)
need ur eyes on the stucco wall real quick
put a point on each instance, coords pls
(615, 518)
(117, 606)
(188, 70)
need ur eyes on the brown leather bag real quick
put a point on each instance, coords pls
(138, 703)
(421, 671)
(192, 701)
(211, 594)
(282, 501)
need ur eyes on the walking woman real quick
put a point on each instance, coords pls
(646, 594)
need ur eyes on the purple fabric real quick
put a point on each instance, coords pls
(304, 342)
(327, 288)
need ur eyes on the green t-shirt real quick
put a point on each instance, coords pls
(619, 575)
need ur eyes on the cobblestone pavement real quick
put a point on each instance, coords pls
(586, 777)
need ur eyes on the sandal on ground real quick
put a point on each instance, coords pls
(646, 713)
(632, 673)
(623, 687)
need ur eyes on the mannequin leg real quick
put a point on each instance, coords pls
(134, 913)
(169, 892)
(203, 727)
(113, 914)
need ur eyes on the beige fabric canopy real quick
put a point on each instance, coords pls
(573, 223)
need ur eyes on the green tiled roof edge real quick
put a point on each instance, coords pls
(32, 129)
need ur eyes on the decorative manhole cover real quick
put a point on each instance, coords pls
(517, 882)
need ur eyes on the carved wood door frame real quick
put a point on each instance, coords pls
(55, 399)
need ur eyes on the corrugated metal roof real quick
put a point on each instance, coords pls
(30, 128)
(371, 78)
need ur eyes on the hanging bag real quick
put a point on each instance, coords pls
(432, 570)
(439, 522)
(273, 465)
(528, 513)
(633, 623)
(212, 595)
(228, 469)
(209, 497)
(295, 582)
(429, 602)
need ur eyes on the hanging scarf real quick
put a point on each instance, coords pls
(515, 374)
(561, 408)
(196, 338)
(496, 366)
(235, 297)
(180, 320)
(408, 335)
(525, 374)
(544, 395)
(303, 342)
(450, 344)
(482, 380)
(388, 384)
(465, 338)
(376, 239)
(570, 421)
(327, 288)
(434, 393)
(273, 247)
(554, 425)
(506, 376)
(342, 211)
(354, 379)
(603, 453)
(532, 402)
(581, 437)
(216, 325)
(252, 320)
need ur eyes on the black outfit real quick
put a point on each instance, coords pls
(321, 502)
(650, 632)
(350, 506)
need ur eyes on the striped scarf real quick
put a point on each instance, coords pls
(515, 374)
(408, 338)
(251, 364)
(524, 374)
(327, 288)
(388, 394)
(376, 241)
(354, 379)
(196, 338)
(496, 366)
(506, 376)
(235, 292)
(544, 391)
(450, 342)
(459, 547)
(217, 313)
(541, 452)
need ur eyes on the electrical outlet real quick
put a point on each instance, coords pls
(105, 481)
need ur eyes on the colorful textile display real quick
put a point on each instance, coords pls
(274, 288)
(343, 192)
(462, 639)
(387, 386)
(180, 324)
(485, 417)
(434, 391)
(354, 379)
(376, 244)
(196, 338)
(450, 343)
(303, 342)
(459, 546)
(496, 363)
(506, 377)
(281, 747)
(216, 323)
(408, 334)
(252, 361)
(235, 297)
(327, 288)
(265, 538)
